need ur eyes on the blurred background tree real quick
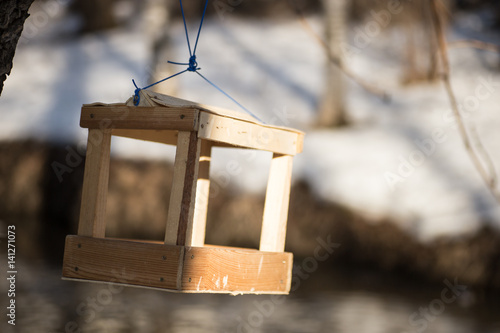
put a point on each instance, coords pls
(332, 105)
(96, 15)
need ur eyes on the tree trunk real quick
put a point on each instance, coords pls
(421, 56)
(332, 106)
(13, 13)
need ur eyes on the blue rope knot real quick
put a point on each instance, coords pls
(137, 97)
(193, 65)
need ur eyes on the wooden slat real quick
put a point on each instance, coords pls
(95, 184)
(150, 98)
(202, 195)
(177, 268)
(250, 135)
(161, 136)
(144, 264)
(274, 221)
(182, 195)
(226, 270)
(141, 117)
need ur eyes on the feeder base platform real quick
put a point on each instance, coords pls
(207, 269)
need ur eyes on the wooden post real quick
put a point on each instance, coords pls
(273, 232)
(202, 195)
(182, 196)
(95, 184)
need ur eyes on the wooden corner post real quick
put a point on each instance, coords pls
(273, 234)
(95, 184)
(179, 229)
(202, 195)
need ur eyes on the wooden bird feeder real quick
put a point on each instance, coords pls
(182, 263)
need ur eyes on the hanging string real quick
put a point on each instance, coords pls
(192, 65)
(227, 95)
(185, 27)
(201, 24)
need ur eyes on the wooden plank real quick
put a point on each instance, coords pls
(182, 195)
(155, 98)
(143, 264)
(274, 221)
(234, 271)
(140, 117)
(186, 228)
(163, 136)
(160, 136)
(250, 135)
(202, 195)
(95, 184)
(177, 268)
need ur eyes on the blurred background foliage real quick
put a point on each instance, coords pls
(381, 273)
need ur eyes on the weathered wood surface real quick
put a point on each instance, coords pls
(142, 264)
(225, 128)
(160, 136)
(230, 270)
(250, 135)
(140, 117)
(95, 184)
(208, 269)
(179, 228)
(275, 217)
(202, 195)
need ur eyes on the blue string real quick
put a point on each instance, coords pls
(235, 101)
(201, 24)
(185, 27)
(192, 65)
(137, 97)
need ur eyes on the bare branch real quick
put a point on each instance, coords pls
(487, 158)
(475, 44)
(488, 177)
(373, 89)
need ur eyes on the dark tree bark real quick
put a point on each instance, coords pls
(13, 13)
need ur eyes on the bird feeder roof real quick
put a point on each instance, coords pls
(159, 117)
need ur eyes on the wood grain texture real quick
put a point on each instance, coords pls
(135, 263)
(141, 117)
(160, 136)
(274, 221)
(250, 135)
(202, 195)
(221, 129)
(95, 184)
(208, 269)
(182, 195)
(230, 270)
(185, 231)
(168, 137)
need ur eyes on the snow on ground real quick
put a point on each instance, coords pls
(401, 160)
